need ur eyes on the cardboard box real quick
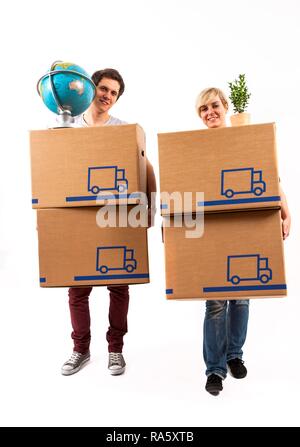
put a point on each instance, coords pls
(235, 167)
(73, 167)
(75, 251)
(240, 255)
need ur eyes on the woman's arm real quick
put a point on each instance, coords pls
(285, 214)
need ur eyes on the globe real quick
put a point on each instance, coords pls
(66, 89)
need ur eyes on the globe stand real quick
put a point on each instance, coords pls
(65, 119)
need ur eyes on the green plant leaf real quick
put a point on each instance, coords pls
(239, 95)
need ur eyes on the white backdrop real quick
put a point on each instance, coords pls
(167, 51)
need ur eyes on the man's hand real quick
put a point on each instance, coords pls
(151, 217)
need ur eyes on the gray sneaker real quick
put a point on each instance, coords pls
(116, 363)
(75, 363)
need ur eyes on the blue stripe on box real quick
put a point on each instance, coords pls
(102, 197)
(246, 288)
(104, 277)
(164, 206)
(237, 201)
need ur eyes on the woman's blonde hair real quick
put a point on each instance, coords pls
(209, 93)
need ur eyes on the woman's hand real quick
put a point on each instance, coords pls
(285, 215)
(286, 224)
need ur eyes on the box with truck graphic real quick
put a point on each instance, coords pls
(75, 251)
(239, 255)
(235, 168)
(91, 166)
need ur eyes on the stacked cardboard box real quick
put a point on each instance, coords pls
(75, 171)
(240, 253)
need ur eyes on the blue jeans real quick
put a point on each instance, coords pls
(225, 330)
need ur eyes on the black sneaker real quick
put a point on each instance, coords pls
(214, 384)
(236, 368)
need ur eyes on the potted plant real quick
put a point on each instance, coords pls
(239, 97)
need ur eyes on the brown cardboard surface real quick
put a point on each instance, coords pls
(232, 246)
(70, 166)
(220, 162)
(73, 248)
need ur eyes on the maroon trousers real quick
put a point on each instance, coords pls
(80, 317)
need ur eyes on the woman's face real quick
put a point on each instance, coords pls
(213, 113)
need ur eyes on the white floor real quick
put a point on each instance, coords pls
(194, 46)
(164, 381)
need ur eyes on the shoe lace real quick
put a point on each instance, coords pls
(115, 358)
(74, 358)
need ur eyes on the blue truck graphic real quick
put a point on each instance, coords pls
(242, 181)
(115, 258)
(248, 268)
(106, 178)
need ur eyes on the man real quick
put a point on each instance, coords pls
(109, 87)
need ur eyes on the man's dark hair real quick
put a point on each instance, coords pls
(109, 73)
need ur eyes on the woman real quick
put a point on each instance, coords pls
(225, 323)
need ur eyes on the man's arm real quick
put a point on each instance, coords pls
(285, 214)
(151, 193)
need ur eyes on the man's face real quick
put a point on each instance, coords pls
(213, 113)
(107, 92)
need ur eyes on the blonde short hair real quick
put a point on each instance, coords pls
(209, 93)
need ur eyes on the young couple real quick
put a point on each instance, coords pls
(226, 321)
